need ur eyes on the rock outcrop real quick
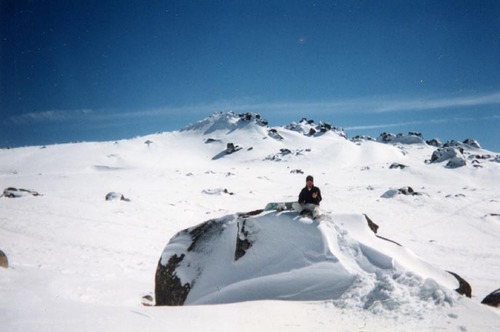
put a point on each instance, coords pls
(309, 128)
(410, 138)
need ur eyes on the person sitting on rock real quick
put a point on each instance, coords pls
(309, 199)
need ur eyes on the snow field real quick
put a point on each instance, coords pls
(80, 263)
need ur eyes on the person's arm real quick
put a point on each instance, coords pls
(301, 196)
(317, 195)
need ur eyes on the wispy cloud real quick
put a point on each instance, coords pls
(366, 105)
(50, 116)
(436, 103)
(416, 123)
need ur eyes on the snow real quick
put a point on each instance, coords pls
(79, 262)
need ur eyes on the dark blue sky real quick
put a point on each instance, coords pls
(103, 70)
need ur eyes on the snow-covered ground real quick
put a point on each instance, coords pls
(79, 262)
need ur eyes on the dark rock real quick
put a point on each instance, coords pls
(273, 133)
(312, 132)
(397, 165)
(4, 262)
(148, 143)
(434, 142)
(242, 241)
(481, 156)
(168, 287)
(493, 299)
(373, 226)
(231, 148)
(407, 191)
(147, 300)
(285, 151)
(362, 138)
(255, 117)
(250, 214)
(385, 137)
(228, 192)
(464, 287)
(211, 140)
(297, 171)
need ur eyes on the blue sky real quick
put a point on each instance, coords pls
(105, 70)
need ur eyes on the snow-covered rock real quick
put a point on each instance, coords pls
(434, 142)
(454, 157)
(310, 128)
(114, 196)
(407, 191)
(469, 143)
(410, 138)
(12, 192)
(217, 191)
(362, 138)
(472, 143)
(271, 256)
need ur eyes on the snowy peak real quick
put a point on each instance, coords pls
(227, 122)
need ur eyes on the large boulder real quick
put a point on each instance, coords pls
(274, 255)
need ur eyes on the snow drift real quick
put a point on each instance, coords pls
(281, 256)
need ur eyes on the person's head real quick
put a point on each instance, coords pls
(309, 181)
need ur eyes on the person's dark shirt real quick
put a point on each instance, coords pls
(305, 196)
